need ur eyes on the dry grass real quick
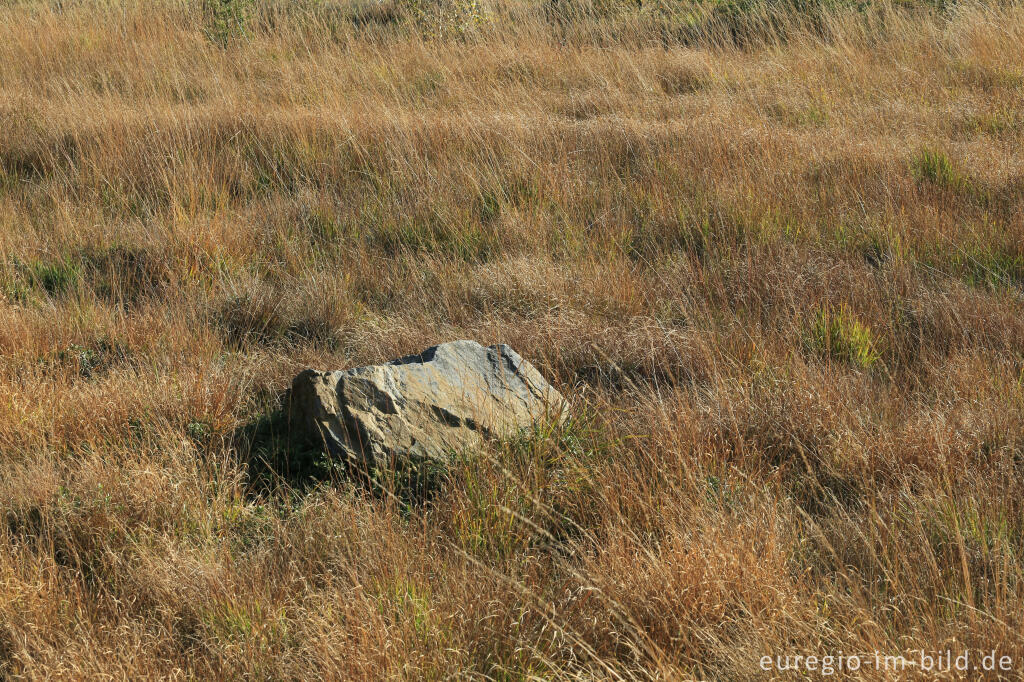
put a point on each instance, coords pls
(776, 263)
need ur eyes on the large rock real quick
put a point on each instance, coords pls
(445, 400)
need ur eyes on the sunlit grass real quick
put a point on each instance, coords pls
(771, 254)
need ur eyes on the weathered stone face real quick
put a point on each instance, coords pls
(446, 399)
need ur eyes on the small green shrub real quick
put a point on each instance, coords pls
(835, 333)
(227, 20)
(89, 360)
(446, 18)
(199, 431)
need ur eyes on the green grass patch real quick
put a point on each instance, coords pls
(935, 167)
(835, 333)
(233, 622)
(21, 280)
(989, 265)
(57, 277)
(983, 254)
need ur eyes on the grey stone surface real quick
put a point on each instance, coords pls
(447, 399)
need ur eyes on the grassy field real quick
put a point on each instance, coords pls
(773, 256)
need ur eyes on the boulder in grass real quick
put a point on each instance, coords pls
(447, 399)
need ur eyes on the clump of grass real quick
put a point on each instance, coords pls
(54, 277)
(446, 18)
(989, 265)
(125, 274)
(488, 207)
(495, 495)
(877, 245)
(810, 115)
(835, 333)
(228, 20)
(935, 167)
(684, 79)
(92, 359)
(1002, 123)
(14, 287)
(474, 242)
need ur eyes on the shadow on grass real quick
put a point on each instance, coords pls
(278, 456)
